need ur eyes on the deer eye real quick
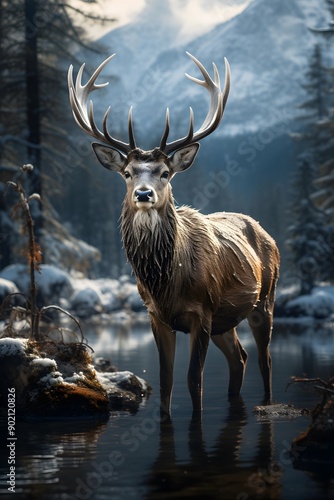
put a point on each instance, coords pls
(127, 175)
(165, 175)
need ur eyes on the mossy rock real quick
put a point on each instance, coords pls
(58, 380)
(68, 401)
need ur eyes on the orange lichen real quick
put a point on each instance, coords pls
(66, 400)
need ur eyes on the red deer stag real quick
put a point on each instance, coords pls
(199, 274)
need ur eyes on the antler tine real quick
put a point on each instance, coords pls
(132, 140)
(163, 141)
(85, 117)
(217, 77)
(186, 139)
(227, 83)
(218, 100)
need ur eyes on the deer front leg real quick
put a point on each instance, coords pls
(199, 342)
(165, 340)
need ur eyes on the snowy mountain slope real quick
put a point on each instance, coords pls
(268, 46)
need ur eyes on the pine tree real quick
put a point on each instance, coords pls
(36, 38)
(307, 235)
(323, 196)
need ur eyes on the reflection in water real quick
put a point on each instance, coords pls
(106, 338)
(310, 343)
(50, 457)
(224, 454)
(220, 473)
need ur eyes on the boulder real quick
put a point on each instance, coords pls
(57, 380)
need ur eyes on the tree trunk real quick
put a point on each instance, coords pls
(33, 105)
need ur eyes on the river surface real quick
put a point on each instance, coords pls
(227, 454)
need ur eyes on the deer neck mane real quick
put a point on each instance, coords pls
(149, 241)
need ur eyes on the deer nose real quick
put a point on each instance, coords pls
(143, 195)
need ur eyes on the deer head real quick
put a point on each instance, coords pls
(147, 173)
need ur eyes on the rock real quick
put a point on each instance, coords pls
(51, 282)
(104, 365)
(56, 380)
(280, 410)
(50, 380)
(72, 401)
(124, 389)
(14, 373)
(6, 288)
(87, 303)
(135, 302)
(316, 445)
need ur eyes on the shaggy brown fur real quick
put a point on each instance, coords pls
(222, 264)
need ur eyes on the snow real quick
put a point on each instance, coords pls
(34, 374)
(104, 296)
(55, 376)
(111, 380)
(7, 287)
(51, 281)
(12, 347)
(81, 296)
(51, 379)
(265, 44)
(75, 378)
(87, 301)
(70, 251)
(319, 304)
(45, 362)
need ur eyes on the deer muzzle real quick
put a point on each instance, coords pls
(144, 198)
(146, 195)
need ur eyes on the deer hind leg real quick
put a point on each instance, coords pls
(165, 340)
(261, 322)
(199, 342)
(236, 355)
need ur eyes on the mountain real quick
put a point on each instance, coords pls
(268, 47)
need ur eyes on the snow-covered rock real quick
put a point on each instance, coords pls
(124, 389)
(52, 282)
(69, 252)
(104, 295)
(83, 297)
(86, 302)
(319, 304)
(128, 294)
(6, 288)
(59, 380)
(12, 347)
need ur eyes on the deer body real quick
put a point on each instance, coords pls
(189, 264)
(200, 274)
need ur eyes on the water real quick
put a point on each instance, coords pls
(228, 454)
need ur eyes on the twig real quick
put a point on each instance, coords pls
(60, 309)
(307, 380)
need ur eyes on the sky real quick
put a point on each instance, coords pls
(197, 16)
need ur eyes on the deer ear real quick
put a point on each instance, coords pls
(183, 158)
(109, 157)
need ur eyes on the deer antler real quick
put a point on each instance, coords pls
(85, 118)
(215, 113)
